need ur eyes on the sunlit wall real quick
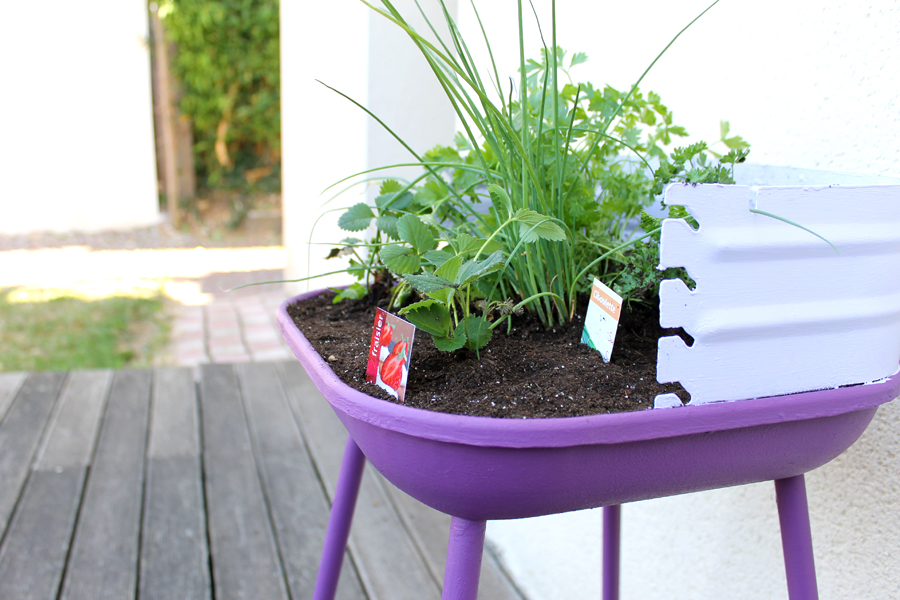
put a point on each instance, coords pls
(76, 128)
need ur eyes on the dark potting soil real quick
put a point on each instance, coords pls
(531, 373)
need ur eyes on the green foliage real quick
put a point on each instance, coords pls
(228, 64)
(639, 278)
(354, 291)
(537, 194)
(692, 165)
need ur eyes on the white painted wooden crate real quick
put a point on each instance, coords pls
(776, 310)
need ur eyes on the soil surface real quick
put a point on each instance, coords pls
(531, 373)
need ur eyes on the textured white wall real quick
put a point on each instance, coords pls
(326, 138)
(76, 117)
(809, 84)
(323, 136)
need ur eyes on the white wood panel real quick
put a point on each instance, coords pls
(776, 310)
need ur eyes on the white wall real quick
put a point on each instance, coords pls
(326, 138)
(809, 84)
(76, 120)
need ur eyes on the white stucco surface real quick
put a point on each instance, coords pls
(809, 84)
(76, 118)
(326, 138)
(323, 137)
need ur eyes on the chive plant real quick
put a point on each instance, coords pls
(533, 199)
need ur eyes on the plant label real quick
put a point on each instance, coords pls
(389, 352)
(602, 320)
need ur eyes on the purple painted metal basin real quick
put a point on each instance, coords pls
(481, 468)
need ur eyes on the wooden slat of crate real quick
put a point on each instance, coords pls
(296, 498)
(104, 553)
(245, 557)
(33, 555)
(174, 552)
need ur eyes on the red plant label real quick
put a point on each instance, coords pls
(389, 352)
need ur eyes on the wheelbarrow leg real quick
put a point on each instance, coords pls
(339, 521)
(796, 538)
(612, 523)
(463, 559)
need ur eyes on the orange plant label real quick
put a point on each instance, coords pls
(602, 320)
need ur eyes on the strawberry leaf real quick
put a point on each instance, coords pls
(449, 269)
(427, 283)
(478, 332)
(400, 259)
(467, 244)
(437, 257)
(356, 218)
(449, 344)
(472, 269)
(388, 224)
(416, 233)
(429, 316)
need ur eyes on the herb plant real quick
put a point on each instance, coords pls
(538, 194)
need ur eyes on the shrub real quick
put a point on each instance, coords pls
(228, 63)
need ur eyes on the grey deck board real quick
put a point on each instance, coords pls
(20, 435)
(430, 529)
(379, 541)
(296, 498)
(9, 385)
(146, 484)
(72, 433)
(245, 558)
(33, 556)
(104, 554)
(34, 552)
(174, 551)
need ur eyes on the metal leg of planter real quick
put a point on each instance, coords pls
(463, 559)
(339, 521)
(612, 524)
(796, 538)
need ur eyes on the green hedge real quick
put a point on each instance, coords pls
(228, 63)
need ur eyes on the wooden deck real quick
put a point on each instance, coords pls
(147, 484)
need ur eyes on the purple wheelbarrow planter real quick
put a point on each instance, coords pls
(477, 469)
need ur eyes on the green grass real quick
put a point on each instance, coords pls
(70, 333)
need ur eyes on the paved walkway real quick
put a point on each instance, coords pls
(229, 330)
(209, 323)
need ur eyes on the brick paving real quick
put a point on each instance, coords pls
(229, 330)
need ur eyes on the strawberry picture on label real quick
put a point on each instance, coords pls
(389, 353)
(392, 368)
(386, 333)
